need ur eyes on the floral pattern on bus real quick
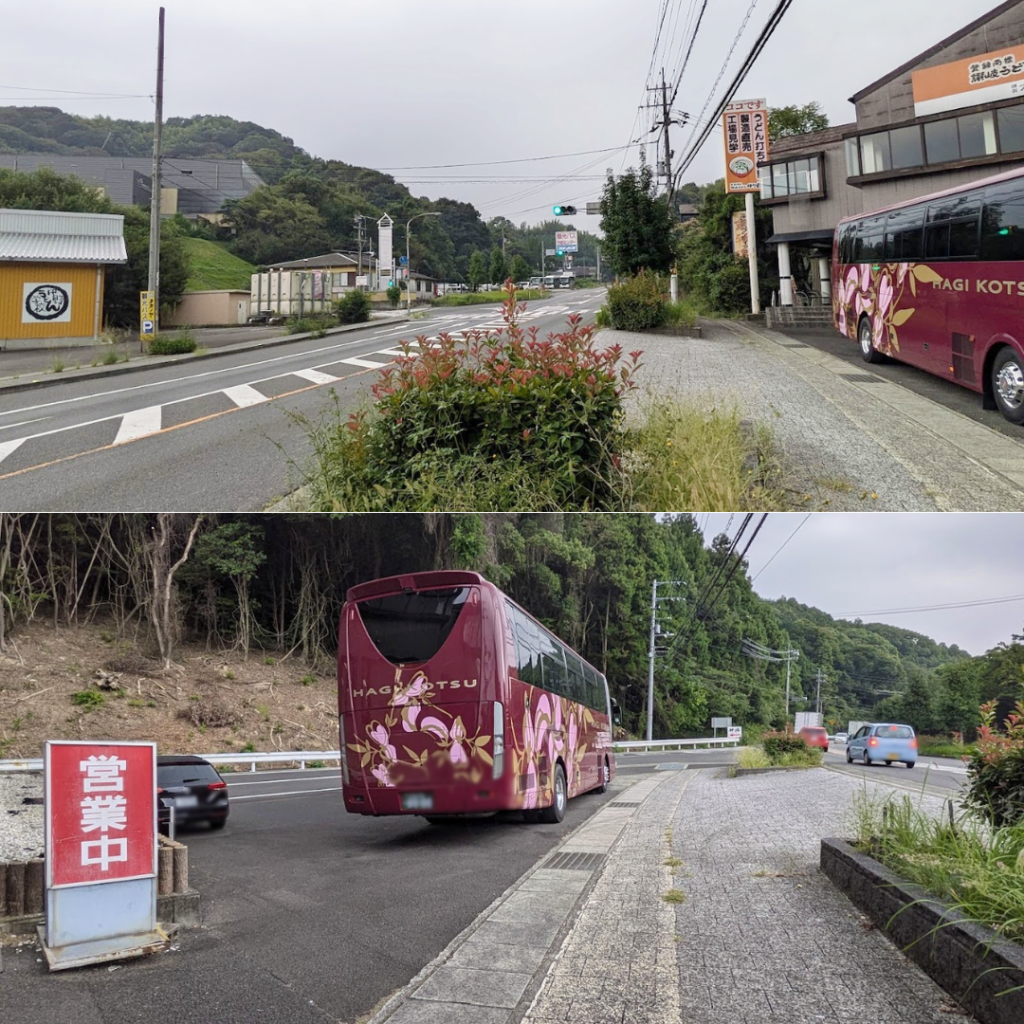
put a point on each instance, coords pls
(884, 292)
(449, 740)
(552, 732)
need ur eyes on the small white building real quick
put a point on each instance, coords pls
(301, 287)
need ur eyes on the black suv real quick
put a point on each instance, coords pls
(193, 788)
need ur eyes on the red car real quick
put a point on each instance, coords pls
(814, 736)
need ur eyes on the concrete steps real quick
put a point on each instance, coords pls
(777, 317)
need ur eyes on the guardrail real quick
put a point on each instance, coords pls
(706, 741)
(35, 764)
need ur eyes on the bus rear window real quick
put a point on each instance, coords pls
(410, 628)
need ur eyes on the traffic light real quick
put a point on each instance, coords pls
(564, 211)
(559, 252)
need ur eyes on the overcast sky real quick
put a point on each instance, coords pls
(845, 563)
(394, 83)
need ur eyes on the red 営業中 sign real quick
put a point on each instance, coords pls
(100, 812)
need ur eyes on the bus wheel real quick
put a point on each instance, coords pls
(1008, 384)
(868, 351)
(556, 812)
(604, 777)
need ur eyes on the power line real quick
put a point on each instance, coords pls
(492, 163)
(766, 33)
(77, 92)
(686, 59)
(936, 607)
(784, 543)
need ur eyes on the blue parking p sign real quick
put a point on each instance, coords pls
(147, 326)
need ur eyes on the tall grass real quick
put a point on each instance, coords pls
(979, 870)
(688, 457)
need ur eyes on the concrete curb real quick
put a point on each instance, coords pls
(404, 1008)
(116, 369)
(970, 961)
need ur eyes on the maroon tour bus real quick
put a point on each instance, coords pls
(453, 700)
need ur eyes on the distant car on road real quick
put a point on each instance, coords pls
(884, 743)
(814, 736)
(193, 787)
(841, 737)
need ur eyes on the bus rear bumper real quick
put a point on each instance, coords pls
(462, 799)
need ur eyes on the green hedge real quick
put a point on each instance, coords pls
(637, 303)
(172, 344)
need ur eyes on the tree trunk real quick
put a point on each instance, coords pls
(160, 545)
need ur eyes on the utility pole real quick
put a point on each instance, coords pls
(651, 648)
(154, 207)
(818, 698)
(359, 229)
(666, 121)
(752, 649)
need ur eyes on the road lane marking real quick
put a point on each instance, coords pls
(390, 352)
(369, 363)
(245, 394)
(271, 782)
(164, 430)
(138, 424)
(24, 423)
(315, 376)
(187, 377)
(6, 447)
(293, 792)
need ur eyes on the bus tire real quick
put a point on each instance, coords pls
(605, 772)
(1008, 384)
(868, 352)
(554, 813)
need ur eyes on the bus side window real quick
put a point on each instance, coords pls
(553, 660)
(595, 691)
(577, 683)
(1002, 224)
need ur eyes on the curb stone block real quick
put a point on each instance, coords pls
(970, 961)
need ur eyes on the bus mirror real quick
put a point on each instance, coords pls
(616, 716)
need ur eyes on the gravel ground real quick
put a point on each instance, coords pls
(828, 455)
(21, 824)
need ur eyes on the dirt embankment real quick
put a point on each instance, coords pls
(86, 683)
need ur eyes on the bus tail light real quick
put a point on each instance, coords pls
(344, 749)
(499, 740)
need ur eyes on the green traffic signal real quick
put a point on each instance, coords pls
(564, 211)
(560, 252)
(558, 211)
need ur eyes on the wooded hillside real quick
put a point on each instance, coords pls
(249, 582)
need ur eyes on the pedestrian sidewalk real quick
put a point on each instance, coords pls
(852, 441)
(760, 935)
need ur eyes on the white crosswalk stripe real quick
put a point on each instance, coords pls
(138, 424)
(7, 447)
(390, 352)
(368, 363)
(245, 394)
(315, 376)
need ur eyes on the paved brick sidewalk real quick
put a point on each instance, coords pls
(843, 439)
(763, 935)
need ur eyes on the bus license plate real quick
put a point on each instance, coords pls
(417, 801)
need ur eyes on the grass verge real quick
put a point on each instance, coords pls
(977, 869)
(212, 267)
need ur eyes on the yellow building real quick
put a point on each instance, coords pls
(51, 274)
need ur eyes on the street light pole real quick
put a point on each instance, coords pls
(408, 265)
(651, 651)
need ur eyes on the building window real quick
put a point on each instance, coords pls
(977, 135)
(852, 158)
(966, 137)
(906, 147)
(800, 176)
(1011, 129)
(942, 141)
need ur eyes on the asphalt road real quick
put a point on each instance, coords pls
(942, 392)
(220, 434)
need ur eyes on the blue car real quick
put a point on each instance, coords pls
(883, 743)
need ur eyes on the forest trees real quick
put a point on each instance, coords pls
(278, 582)
(637, 224)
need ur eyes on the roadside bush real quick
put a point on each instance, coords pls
(173, 344)
(394, 293)
(777, 744)
(203, 712)
(603, 318)
(680, 313)
(995, 774)
(315, 326)
(637, 303)
(521, 418)
(353, 307)
(88, 699)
